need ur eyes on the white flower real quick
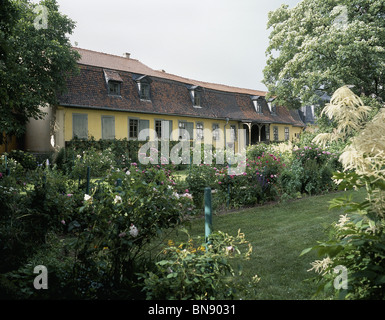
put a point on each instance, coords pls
(344, 219)
(87, 197)
(128, 172)
(117, 199)
(321, 266)
(133, 231)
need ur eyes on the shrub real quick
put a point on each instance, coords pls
(99, 162)
(257, 184)
(26, 159)
(115, 224)
(200, 177)
(195, 272)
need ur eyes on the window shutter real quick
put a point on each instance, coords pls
(144, 130)
(190, 129)
(166, 129)
(108, 127)
(170, 129)
(80, 126)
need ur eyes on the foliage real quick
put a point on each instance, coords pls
(33, 61)
(199, 177)
(187, 271)
(26, 159)
(256, 185)
(318, 46)
(348, 112)
(357, 240)
(29, 212)
(99, 162)
(116, 222)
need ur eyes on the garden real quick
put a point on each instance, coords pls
(95, 219)
(106, 226)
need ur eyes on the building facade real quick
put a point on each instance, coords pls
(115, 97)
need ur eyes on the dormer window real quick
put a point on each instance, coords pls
(113, 81)
(272, 106)
(145, 91)
(196, 96)
(114, 87)
(257, 101)
(143, 83)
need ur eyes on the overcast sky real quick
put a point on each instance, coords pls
(219, 41)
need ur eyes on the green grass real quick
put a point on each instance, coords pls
(278, 234)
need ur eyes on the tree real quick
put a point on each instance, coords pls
(319, 46)
(35, 57)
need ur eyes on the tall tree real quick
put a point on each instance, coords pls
(319, 46)
(35, 57)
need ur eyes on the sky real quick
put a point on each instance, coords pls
(218, 41)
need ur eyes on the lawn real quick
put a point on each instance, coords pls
(279, 232)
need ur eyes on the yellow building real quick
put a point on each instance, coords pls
(116, 97)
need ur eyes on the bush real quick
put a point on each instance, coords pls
(99, 162)
(26, 159)
(115, 224)
(29, 212)
(256, 185)
(193, 272)
(200, 177)
(356, 243)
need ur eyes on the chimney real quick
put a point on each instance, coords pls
(126, 55)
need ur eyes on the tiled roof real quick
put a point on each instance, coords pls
(169, 93)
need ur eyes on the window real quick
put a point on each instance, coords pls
(186, 130)
(275, 132)
(267, 131)
(272, 106)
(233, 133)
(197, 98)
(215, 131)
(133, 125)
(113, 81)
(138, 129)
(143, 82)
(80, 126)
(163, 129)
(258, 106)
(287, 136)
(108, 127)
(257, 101)
(144, 91)
(199, 129)
(114, 88)
(158, 128)
(196, 95)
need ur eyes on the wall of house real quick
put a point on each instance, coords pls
(38, 138)
(293, 131)
(64, 121)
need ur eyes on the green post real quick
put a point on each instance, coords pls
(208, 213)
(88, 181)
(118, 184)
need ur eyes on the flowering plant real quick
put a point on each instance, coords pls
(256, 184)
(200, 272)
(117, 221)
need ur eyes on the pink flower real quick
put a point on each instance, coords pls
(63, 222)
(219, 182)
